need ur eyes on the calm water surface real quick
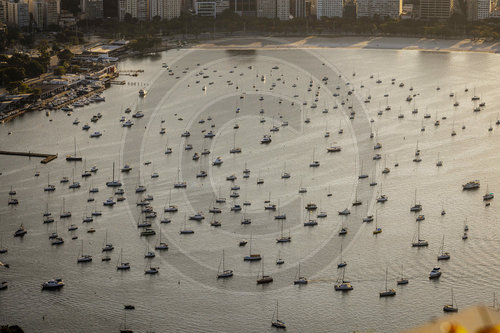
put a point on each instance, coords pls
(186, 296)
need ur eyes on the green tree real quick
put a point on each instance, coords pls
(59, 70)
(65, 55)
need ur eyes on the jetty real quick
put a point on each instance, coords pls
(46, 157)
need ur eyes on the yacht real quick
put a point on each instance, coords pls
(20, 232)
(369, 218)
(266, 139)
(345, 212)
(143, 92)
(435, 273)
(109, 202)
(152, 270)
(57, 241)
(333, 149)
(217, 161)
(472, 185)
(128, 123)
(96, 134)
(138, 114)
(53, 284)
(148, 232)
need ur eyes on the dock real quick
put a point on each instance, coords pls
(46, 157)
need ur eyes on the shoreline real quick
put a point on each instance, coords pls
(354, 42)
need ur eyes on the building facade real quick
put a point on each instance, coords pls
(329, 8)
(435, 9)
(92, 9)
(171, 9)
(18, 13)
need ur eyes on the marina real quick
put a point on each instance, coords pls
(209, 250)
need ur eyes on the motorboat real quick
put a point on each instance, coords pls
(435, 273)
(53, 284)
(20, 232)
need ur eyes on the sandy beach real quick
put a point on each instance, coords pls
(392, 43)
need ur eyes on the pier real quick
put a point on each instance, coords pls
(46, 157)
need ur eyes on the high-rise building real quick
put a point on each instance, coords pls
(363, 8)
(379, 8)
(206, 8)
(266, 8)
(155, 8)
(483, 9)
(283, 10)
(435, 9)
(52, 11)
(386, 8)
(127, 7)
(3, 11)
(329, 8)
(298, 8)
(18, 13)
(142, 10)
(37, 11)
(171, 9)
(92, 9)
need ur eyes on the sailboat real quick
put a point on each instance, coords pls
(170, 208)
(417, 207)
(402, 280)
(419, 242)
(49, 187)
(235, 150)
(285, 174)
(280, 261)
(362, 175)
(451, 307)
(74, 157)
(488, 195)
(342, 262)
(114, 183)
(275, 322)
(439, 162)
(64, 213)
(342, 284)
(179, 184)
(377, 230)
(161, 245)
(107, 246)
(300, 279)
(168, 150)
(356, 201)
(314, 163)
(84, 257)
(252, 256)
(442, 254)
(74, 184)
(280, 216)
(225, 272)
(122, 265)
(283, 238)
(262, 278)
(2, 248)
(186, 231)
(387, 292)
